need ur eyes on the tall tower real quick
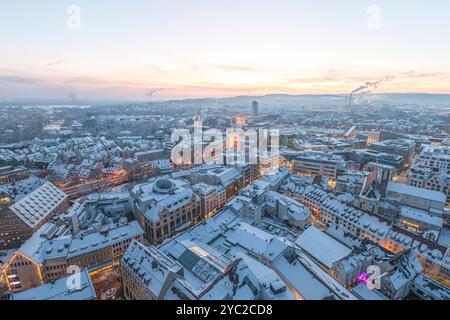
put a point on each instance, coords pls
(385, 178)
(255, 108)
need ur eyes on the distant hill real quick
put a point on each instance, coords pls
(321, 99)
(419, 99)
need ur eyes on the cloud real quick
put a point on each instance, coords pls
(414, 74)
(238, 68)
(17, 80)
(82, 80)
(53, 63)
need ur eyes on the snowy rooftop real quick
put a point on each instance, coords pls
(96, 241)
(364, 293)
(441, 152)
(322, 247)
(203, 188)
(36, 206)
(419, 245)
(269, 280)
(160, 194)
(319, 156)
(225, 175)
(17, 190)
(247, 287)
(150, 266)
(40, 248)
(406, 268)
(416, 192)
(431, 287)
(308, 286)
(58, 290)
(276, 178)
(403, 144)
(229, 236)
(421, 216)
(353, 177)
(368, 223)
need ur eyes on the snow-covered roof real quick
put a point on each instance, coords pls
(421, 216)
(59, 290)
(39, 247)
(430, 250)
(226, 175)
(19, 189)
(406, 268)
(150, 266)
(203, 188)
(269, 280)
(328, 202)
(36, 206)
(431, 287)
(416, 192)
(226, 235)
(308, 286)
(322, 247)
(276, 178)
(364, 293)
(96, 241)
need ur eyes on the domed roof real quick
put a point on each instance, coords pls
(4, 199)
(163, 186)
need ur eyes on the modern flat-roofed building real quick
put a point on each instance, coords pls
(401, 147)
(150, 155)
(369, 136)
(435, 157)
(369, 155)
(316, 163)
(420, 198)
(431, 170)
(420, 220)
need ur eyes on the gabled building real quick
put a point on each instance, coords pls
(81, 289)
(25, 206)
(398, 275)
(43, 258)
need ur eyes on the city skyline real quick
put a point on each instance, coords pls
(158, 50)
(233, 153)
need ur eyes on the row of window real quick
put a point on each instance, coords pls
(20, 264)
